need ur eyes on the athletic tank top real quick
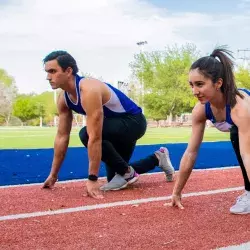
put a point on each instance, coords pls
(225, 125)
(117, 105)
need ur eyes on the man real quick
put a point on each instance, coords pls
(113, 125)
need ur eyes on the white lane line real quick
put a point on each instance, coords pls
(113, 204)
(79, 180)
(244, 246)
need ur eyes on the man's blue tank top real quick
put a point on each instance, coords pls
(119, 104)
(225, 125)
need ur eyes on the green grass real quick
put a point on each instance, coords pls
(35, 137)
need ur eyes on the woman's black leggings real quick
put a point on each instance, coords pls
(234, 136)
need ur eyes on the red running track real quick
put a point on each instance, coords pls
(205, 223)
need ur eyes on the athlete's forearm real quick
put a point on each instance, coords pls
(95, 155)
(186, 166)
(60, 149)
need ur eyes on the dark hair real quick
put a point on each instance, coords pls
(64, 60)
(214, 69)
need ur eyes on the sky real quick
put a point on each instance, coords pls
(102, 35)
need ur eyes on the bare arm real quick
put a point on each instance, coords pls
(189, 156)
(91, 96)
(241, 118)
(62, 136)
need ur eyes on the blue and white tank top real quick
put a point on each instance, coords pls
(118, 103)
(225, 125)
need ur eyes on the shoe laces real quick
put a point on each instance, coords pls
(130, 174)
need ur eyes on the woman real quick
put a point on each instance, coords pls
(212, 81)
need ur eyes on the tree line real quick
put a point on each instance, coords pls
(159, 83)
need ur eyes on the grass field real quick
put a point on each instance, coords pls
(36, 137)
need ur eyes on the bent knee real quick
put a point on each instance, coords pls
(84, 136)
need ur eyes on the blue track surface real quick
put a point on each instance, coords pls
(24, 166)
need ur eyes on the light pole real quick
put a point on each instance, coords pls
(245, 57)
(141, 43)
(141, 46)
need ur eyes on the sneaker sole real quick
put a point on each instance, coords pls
(115, 189)
(240, 212)
(133, 180)
(170, 177)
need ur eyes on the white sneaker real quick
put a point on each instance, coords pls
(242, 205)
(120, 182)
(165, 163)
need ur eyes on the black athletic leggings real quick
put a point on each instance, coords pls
(234, 136)
(119, 136)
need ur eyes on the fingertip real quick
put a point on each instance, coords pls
(100, 197)
(168, 204)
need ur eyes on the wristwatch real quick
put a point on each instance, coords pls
(93, 177)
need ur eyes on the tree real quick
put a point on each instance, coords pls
(5, 102)
(8, 92)
(164, 76)
(242, 77)
(134, 91)
(47, 99)
(6, 79)
(26, 108)
(40, 112)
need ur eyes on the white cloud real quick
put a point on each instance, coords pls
(102, 35)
